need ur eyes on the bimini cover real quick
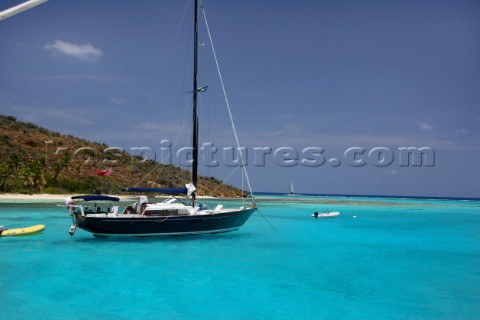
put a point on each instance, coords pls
(95, 197)
(188, 190)
(173, 191)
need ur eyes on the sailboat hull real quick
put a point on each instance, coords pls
(165, 225)
(165, 218)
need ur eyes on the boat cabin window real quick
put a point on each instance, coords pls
(97, 209)
(88, 210)
(169, 212)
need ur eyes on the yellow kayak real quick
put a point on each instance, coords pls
(18, 232)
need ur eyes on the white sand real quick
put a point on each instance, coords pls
(25, 198)
(34, 197)
(15, 197)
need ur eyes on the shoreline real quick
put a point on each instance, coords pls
(35, 197)
(45, 197)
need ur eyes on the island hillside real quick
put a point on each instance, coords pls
(36, 160)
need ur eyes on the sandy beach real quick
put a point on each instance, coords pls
(43, 197)
(33, 197)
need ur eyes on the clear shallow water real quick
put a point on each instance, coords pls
(399, 259)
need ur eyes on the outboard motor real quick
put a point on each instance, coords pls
(72, 230)
(74, 221)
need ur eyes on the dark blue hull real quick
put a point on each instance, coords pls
(165, 225)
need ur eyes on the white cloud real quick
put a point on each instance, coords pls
(117, 100)
(87, 77)
(45, 116)
(462, 131)
(390, 171)
(425, 126)
(85, 52)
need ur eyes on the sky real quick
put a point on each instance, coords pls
(325, 94)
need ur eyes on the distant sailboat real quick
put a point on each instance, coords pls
(292, 192)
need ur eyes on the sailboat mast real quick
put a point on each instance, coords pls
(195, 94)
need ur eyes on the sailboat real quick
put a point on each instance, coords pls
(170, 217)
(292, 192)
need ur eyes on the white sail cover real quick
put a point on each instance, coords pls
(190, 189)
(143, 200)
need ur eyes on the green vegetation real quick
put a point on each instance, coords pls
(34, 159)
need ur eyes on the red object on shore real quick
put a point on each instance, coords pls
(103, 172)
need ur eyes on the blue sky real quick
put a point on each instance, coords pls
(299, 74)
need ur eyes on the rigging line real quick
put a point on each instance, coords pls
(243, 189)
(228, 104)
(266, 220)
(172, 148)
(184, 120)
(225, 180)
(169, 56)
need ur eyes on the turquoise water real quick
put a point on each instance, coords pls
(399, 259)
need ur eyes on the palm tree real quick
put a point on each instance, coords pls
(60, 165)
(5, 175)
(38, 170)
(27, 176)
(14, 162)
